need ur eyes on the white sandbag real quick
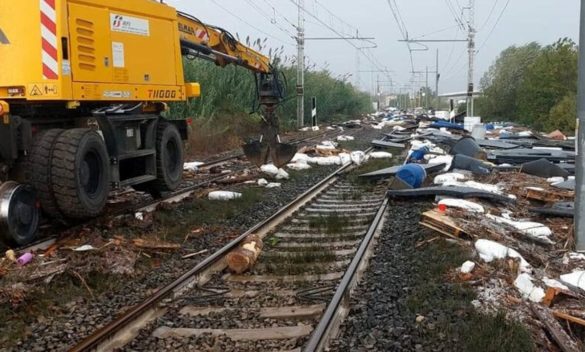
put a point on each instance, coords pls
(448, 177)
(344, 138)
(358, 157)
(530, 228)
(467, 267)
(262, 182)
(528, 290)
(298, 166)
(273, 185)
(192, 166)
(224, 195)
(463, 204)
(490, 250)
(380, 155)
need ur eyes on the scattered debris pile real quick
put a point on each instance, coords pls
(509, 196)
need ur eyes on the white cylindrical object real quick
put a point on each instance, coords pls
(478, 131)
(471, 121)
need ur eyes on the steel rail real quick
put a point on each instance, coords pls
(44, 243)
(110, 330)
(320, 336)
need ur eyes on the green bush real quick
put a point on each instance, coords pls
(232, 90)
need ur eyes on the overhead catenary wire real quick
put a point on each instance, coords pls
(343, 37)
(268, 17)
(495, 25)
(487, 19)
(251, 25)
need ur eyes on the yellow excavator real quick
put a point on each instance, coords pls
(83, 85)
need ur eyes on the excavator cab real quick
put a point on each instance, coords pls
(271, 91)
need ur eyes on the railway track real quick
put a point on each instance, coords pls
(185, 191)
(294, 297)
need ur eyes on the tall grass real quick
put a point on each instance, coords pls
(231, 91)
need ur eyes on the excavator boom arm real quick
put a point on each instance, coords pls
(218, 45)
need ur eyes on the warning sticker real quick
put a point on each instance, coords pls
(129, 24)
(43, 90)
(118, 54)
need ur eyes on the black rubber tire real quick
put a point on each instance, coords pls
(169, 161)
(35, 169)
(80, 173)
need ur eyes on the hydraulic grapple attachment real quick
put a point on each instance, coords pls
(270, 94)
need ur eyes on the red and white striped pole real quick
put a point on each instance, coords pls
(49, 39)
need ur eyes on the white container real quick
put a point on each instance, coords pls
(471, 121)
(478, 131)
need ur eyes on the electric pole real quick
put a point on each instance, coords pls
(471, 52)
(301, 66)
(437, 76)
(580, 158)
(426, 88)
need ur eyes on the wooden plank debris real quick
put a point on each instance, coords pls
(569, 317)
(565, 342)
(443, 224)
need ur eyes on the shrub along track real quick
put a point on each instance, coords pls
(53, 323)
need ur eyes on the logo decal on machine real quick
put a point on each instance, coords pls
(129, 24)
(3, 38)
(49, 39)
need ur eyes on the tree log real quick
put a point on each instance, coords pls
(243, 258)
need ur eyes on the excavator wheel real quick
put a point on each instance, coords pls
(80, 172)
(169, 161)
(35, 169)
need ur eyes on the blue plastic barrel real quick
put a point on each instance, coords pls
(413, 174)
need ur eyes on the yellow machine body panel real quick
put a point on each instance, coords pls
(90, 50)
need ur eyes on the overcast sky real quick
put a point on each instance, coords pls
(522, 21)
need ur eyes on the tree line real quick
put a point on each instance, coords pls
(232, 91)
(533, 85)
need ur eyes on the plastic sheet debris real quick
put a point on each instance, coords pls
(448, 177)
(561, 209)
(490, 250)
(528, 290)
(556, 135)
(464, 162)
(467, 267)
(451, 191)
(386, 144)
(469, 147)
(380, 155)
(543, 168)
(462, 204)
(391, 171)
(445, 160)
(273, 185)
(576, 278)
(192, 166)
(224, 195)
